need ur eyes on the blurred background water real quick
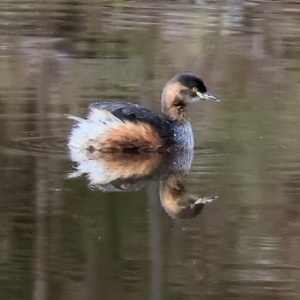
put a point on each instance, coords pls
(61, 240)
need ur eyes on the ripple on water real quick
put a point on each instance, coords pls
(42, 145)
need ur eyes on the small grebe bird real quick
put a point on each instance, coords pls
(126, 127)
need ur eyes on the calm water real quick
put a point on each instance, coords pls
(60, 239)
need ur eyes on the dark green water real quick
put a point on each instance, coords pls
(61, 240)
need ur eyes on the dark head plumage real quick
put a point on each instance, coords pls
(191, 81)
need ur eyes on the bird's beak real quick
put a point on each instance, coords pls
(207, 96)
(205, 200)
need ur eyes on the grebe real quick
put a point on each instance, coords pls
(126, 127)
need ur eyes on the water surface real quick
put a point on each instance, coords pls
(61, 240)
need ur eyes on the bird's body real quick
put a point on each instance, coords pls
(123, 126)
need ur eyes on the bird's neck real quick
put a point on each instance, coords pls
(172, 111)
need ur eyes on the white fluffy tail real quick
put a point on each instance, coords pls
(86, 131)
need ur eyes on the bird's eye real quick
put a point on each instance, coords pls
(195, 89)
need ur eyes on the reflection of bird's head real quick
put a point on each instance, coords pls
(190, 211)
(177, 201)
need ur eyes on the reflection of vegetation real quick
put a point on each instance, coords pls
(58, 57)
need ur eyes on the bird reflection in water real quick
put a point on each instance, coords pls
(121, 172)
